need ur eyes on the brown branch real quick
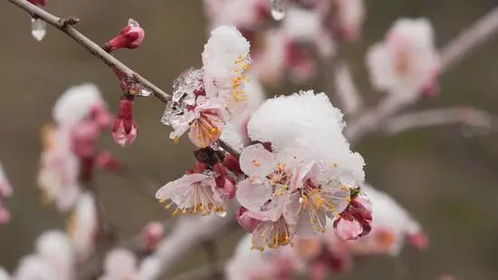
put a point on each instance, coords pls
(464, 116)
(470, 39)
(64, 25)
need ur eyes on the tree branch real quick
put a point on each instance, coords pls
(437, 117)
(470, 39)
(64, 25)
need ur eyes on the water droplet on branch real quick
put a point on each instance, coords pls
(38, 28)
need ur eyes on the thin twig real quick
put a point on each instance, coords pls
(471, 117)
(64, 25)
(470, 39)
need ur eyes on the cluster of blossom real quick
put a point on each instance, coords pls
(70, 151)
(405, 64)
(391, 226)
(298, 170)
(204, 99)
(56, 258)
(307, 32)
(5, 191)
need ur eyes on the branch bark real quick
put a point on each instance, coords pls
(466, 116)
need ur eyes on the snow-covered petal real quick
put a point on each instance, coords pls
(76, 104)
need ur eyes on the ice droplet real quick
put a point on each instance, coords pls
(183, 97)
(38, 28)
(278, 9)
(144, 91)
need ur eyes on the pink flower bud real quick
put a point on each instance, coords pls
(106, 161)
(419, 240)
(130, 37)
(151, 235)
(245, 221)
(232, 164)
(124, 128)
(225, 187)
(356, 220)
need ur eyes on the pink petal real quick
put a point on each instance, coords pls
(255, 160)
(348, 229)
(253, 196)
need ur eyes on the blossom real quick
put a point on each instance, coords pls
(193, 193)
(58, 177)
(79, 103)
(347, 17)
(130, 37)
(151, 234)
(53, 259)
(245, 14)
(303, 172)
(120, 264)
(70, 145)
(83, 225)
(247, 264)
(406, 63)
(204, 99)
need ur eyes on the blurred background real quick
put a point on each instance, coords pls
(447, 180)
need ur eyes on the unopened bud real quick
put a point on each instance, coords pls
(130, 37)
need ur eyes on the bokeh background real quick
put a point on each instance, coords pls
(447, 180)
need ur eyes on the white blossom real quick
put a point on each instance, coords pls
(406, 62)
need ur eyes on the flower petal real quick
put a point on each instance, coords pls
(255, 160)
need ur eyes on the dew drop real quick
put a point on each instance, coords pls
(38, 28)
(278, 9)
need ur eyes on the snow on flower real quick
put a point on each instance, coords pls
(204, 99)
(70, 145)
(406, 62)
(83, 225)
(302, 172)
(53, 259)
(5, 191)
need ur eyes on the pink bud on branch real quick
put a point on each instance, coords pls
(124, 128)
(130, 37)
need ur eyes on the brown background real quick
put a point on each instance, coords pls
(448, 181)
